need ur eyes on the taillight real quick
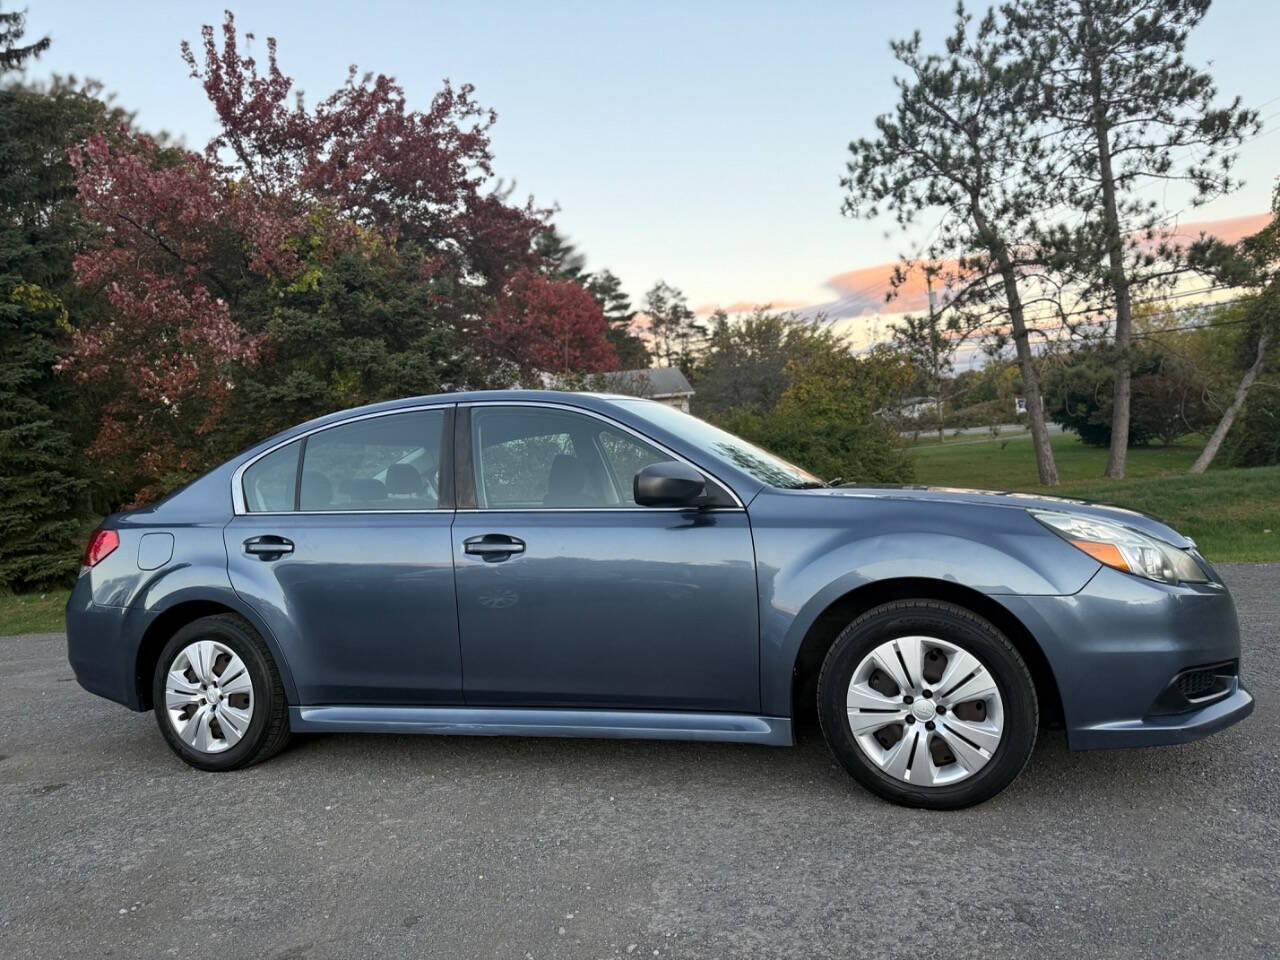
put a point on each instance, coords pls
(101, 544)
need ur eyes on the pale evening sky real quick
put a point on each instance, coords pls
(701, 143)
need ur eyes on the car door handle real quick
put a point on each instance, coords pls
(268, 547)
(493, 546)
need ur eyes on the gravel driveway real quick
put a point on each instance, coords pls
(363, 846)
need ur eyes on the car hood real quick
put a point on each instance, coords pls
(1011, 500)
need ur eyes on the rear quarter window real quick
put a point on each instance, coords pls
(270, 483)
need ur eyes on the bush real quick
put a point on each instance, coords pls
(824, 422)
(1167, 397)
(1254, 440)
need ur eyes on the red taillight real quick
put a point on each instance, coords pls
(101, 543)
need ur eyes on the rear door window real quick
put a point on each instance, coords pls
(382, 463)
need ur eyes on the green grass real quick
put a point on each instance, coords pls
(32, 612)
(1234, 515)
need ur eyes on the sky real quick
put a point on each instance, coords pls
(697, 142)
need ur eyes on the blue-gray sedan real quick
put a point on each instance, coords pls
(555, 564)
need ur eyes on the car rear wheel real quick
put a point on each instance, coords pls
(218, 696)
(928, 705)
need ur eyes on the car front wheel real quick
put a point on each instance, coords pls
(927, 704)
(218, 696)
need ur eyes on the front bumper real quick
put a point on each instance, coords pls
(1115, 647)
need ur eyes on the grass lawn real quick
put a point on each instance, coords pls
(1234, 515)
(32, 612)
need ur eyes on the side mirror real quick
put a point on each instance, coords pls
(669, 484)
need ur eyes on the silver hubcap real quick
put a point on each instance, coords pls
(209, 696)
(925, 711)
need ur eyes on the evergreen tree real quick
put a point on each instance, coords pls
(1109, 83)
(960, 142)
(561, 257)
(677, 332)
(41, 485)
(13, 55)
(620, 315)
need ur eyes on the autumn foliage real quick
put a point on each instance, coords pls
(550, 325)
(213, 261)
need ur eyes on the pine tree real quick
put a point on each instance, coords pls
(41, 486)
(1124, 109)
(678, 333)
(620, 315)
(13, 26)
(959, 141)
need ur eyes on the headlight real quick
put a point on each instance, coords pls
(1125, 549)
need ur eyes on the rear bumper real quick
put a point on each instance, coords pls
(102, 654)
(1115, 647)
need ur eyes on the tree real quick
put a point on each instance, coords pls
(1169, 395)
(824, 420)
(13, 26)
(183, 243)
(42, 487)
(676, 329)
(542, 325)
(930, 343)
(748, 363)
(326, 255)
(1254, 263)
(959, 142)
(607, 290)
(1124, 109)
(561, 258)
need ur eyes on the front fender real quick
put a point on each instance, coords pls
(808, 558)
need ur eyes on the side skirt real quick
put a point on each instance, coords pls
(502, 722)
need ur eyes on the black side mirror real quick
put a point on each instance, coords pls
(669, 484)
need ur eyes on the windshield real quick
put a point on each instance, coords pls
(725, 447)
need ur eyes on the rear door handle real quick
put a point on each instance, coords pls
(493, 546)
(268, 547)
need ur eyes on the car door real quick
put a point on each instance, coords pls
(569, 594)
(342, 544)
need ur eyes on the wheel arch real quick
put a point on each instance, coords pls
(180, 611)
(839, 613)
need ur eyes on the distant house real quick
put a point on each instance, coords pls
(664, 384)
(911, 408)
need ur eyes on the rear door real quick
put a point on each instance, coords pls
(569, 594)
(342, 544)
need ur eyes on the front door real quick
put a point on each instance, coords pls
(344, 549)
(571, 595)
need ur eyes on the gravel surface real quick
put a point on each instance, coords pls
(382, 846)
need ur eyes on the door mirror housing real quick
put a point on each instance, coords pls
(670, 484)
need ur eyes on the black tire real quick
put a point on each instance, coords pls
(964, 629)
(268, 730)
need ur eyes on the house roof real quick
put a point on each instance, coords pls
(654, 382)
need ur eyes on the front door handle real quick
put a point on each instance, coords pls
(493, 546)
(268, 547)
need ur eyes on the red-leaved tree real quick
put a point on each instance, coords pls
(213, 262)
(161, 361)
(552, 326)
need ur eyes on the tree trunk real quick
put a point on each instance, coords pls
(1229, 417)
(1045, 465)
(1117, 277)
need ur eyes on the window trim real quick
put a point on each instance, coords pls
(464, 472)
(239, 506)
